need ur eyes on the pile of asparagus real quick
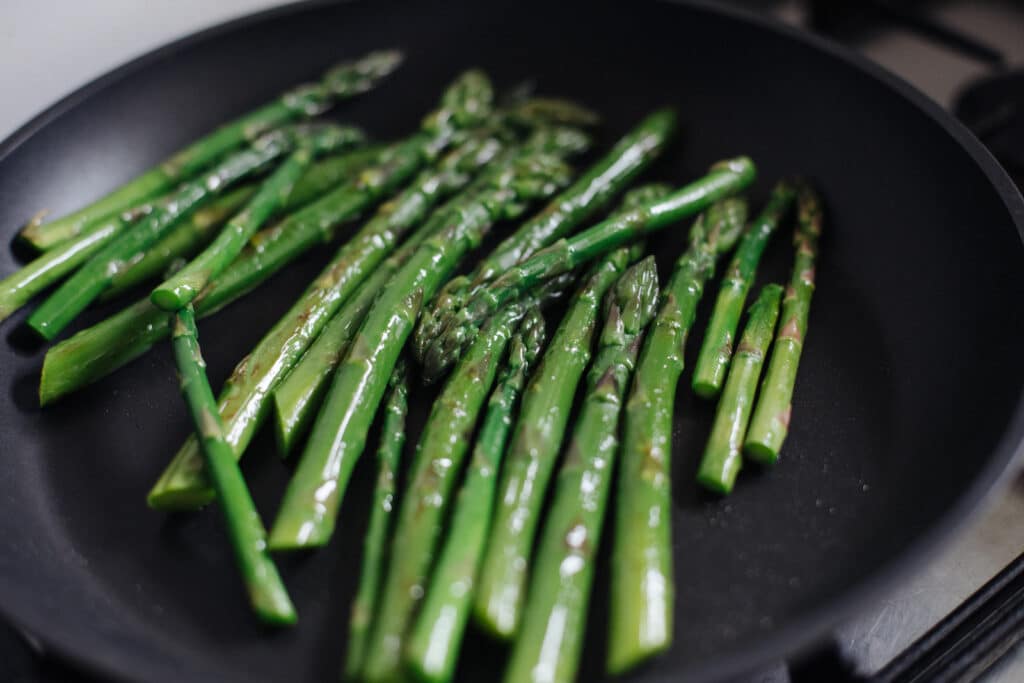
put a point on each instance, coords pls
(219, 218)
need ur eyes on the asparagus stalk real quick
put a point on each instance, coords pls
(94, 276)
(534, 447)
(722, 460)
(101, 349)
(724, 178)
(436, 638)
(770, 423)
(590, 193)
(183, 286)
(340, 82)
(549, 643)
(436, 467)
(245, 398)
(192, 233)
(267, 593)
(310, 505)
(389, 454)
(717, 347)
(642, 579)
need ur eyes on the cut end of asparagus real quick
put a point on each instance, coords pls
(621, 661)
(167, 499)
(274, 607)
(173, 299)
(718, 482)
(308, 535)
(761, 452)
(706, 388)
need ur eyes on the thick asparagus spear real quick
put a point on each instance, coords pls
(389, 454)
(438, 462)
(103, 348)
(554, 622)
(722, 456)
(342, 81)
(245, 398)
(267, 593)
(642, 579)
(436, 638)
(536, 442)
(183, 286)
(589, 194)
(94, 276)
(49, 268)
(717, 348)
(770, 423)
(307, 514)
(724, 178)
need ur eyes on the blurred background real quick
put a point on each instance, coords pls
(966, 55)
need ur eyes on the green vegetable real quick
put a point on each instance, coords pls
(642, 580)
(717, 347)
(245, 397)
(267, 593)
(340, 82)
(588, 194)
(436, 467)
(307, 514)
(389, 455)
(436, 638)
(551, 637)
(724, 178)
(181, 288)
(770, 423)
(722, 456)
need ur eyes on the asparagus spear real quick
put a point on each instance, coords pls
(94, 276)
(246, 394)
(716, 349)
(307, 514)
(49, 268)
(340, 82)
(770, 423)
(724, 178)
(549, 643)
(642, 579)
(184, 285)
(392, 441)
(722, 461)
(535, 445)
(436, 638)
(590, 193)
(267, 593)
(436, 467)
(101, 349)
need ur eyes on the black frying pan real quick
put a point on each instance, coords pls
(906, 410)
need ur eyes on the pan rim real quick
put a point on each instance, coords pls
(800, 632)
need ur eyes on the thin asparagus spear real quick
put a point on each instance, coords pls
(183, 286)
(590, 193)
(724, 178)
(716, 349)
(341, 81)
(536, 442)
(310, 505)
(722, 456)
(101, 349)
(389, 454)
(267, 593)
(245, 397)
(770, 423)
(436, 638)
(642, 579)
(549, 643)
(436, 467)
(49, 268)
(94, 276)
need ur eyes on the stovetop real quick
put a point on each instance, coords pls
(969, 57)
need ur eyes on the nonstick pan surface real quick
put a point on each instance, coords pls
(907, 406)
